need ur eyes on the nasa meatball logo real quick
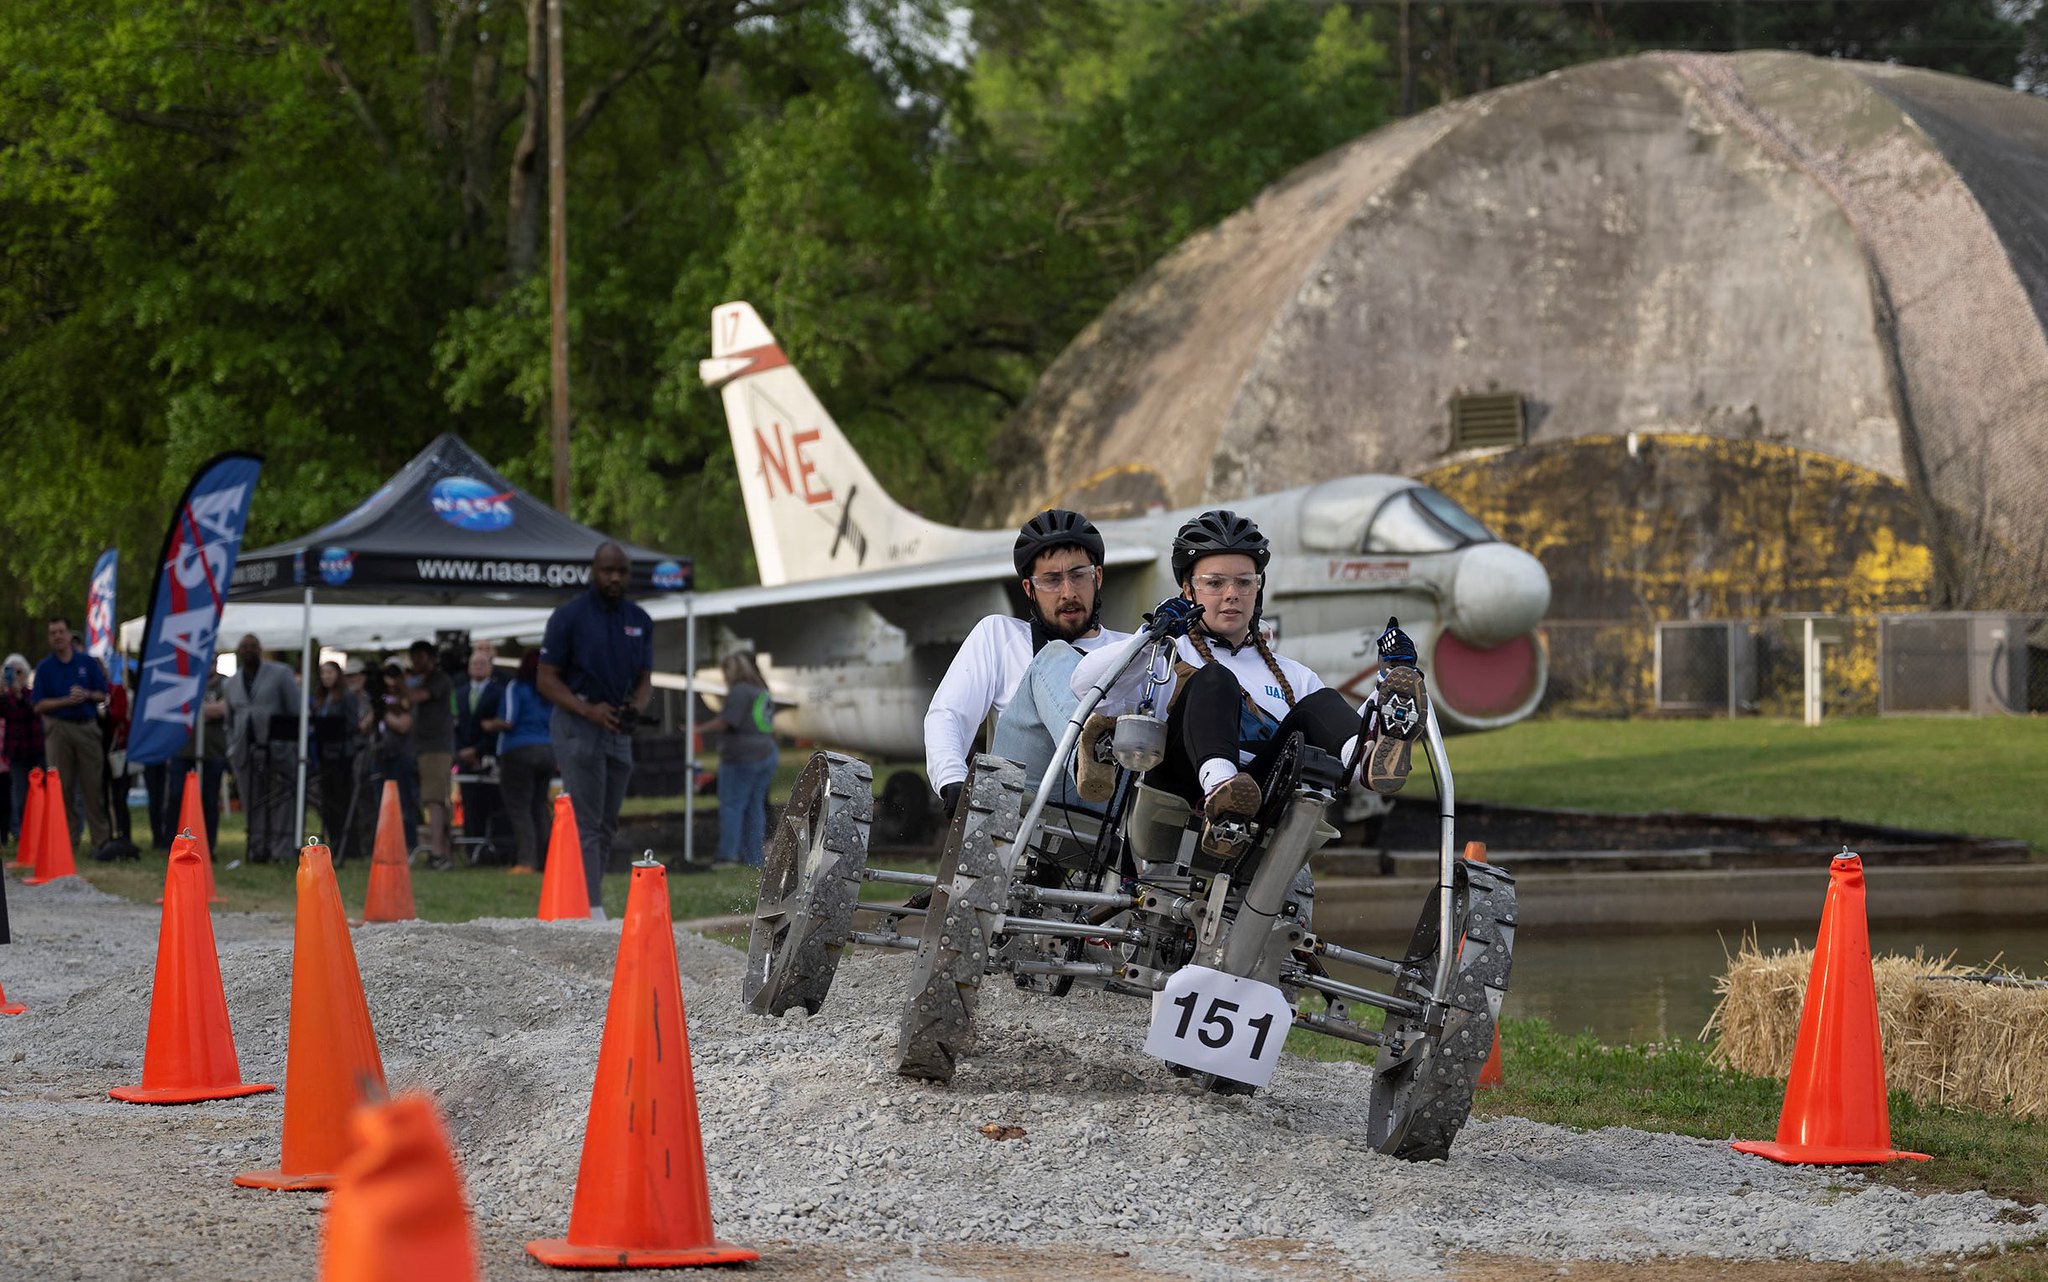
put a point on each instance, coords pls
(668, 575)
(337, 566)
(468, 504)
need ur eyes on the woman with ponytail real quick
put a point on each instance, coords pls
(1234, 702)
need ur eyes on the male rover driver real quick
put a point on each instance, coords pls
(1058, 555)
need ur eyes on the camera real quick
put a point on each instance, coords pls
(629, 718)
(451, 653)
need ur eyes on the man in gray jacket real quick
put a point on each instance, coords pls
(263, 709)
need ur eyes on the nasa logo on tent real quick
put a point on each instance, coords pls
(468, 504)
(668, 575)
(337, 565)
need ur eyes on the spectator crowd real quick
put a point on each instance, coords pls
(467, 745)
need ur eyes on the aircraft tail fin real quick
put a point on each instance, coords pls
(813, 507)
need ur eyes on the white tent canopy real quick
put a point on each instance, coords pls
(278, 626)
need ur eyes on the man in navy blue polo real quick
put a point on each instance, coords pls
(596, 667)
(69, 689)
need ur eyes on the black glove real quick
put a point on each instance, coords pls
(1174, 616)
(1395, 645)
(950, 795)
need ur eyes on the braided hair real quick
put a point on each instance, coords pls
(1258, 639)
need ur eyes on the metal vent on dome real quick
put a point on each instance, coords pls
(1486, 420)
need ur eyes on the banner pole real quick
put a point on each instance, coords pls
(690, 726)
(306, 679)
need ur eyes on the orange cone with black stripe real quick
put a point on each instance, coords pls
(398, 1212)
(30, 839)
(641, 1200)
(1489, 1072)
(54, 858)
(1835, 1111)
(331, 1060)
(190, 1055)
(389, 897)
(564, 896)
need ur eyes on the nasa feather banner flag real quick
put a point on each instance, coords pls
(99, 614)
(184, 612)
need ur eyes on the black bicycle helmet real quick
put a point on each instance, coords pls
(1217, 531)
(1053, 528)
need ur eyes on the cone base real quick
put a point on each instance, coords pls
(187, 1094)
(1813, 1155)
(311, 1182)
(12, 1008)
(44, 881)
(561, 1253)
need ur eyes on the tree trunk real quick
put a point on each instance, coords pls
(528, 187)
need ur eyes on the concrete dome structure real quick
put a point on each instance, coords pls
(1800, 256)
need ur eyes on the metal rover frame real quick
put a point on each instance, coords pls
(1051, 899)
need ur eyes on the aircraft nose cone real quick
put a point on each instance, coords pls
(1500, 592)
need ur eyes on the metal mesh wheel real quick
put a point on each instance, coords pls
(1422, 1085)
(810, 883)
(972, 893)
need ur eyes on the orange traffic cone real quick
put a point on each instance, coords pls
(398, 1212)
(191, 1051)
(192, 819)
(1835, 1112)
(641, 1200)
(331, 1060)
(7, 1007)
(563, 893)
(53, 860)
(1489, 1072)
(29, 840)
(389, 897)
(192, 825)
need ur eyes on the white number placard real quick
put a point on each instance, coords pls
(1216, 1023)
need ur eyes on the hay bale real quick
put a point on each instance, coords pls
(1954, 1036)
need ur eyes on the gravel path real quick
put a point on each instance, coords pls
(821, 1156)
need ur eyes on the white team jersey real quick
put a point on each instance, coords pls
(1246, 664)
(983, 676)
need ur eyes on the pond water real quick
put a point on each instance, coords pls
(1636, 988)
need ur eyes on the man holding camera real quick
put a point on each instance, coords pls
(596, 667)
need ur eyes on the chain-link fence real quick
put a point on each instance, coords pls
(1969, 664)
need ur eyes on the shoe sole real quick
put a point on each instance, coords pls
(1095, 780)
(1405, 693)
(1237, 799)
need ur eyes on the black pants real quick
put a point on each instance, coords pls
(525, 773)
(1204, 722)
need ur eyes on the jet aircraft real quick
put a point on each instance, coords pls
(862, 603)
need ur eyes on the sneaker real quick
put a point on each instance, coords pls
(1095, 760)
(1228, 810)
(1397, 715)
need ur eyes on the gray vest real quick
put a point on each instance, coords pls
(1031, 725)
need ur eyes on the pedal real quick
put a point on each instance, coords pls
(1227, 839)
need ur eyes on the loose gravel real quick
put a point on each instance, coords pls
(821, 1155)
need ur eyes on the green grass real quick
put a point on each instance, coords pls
(456, 895)
(1976, 775)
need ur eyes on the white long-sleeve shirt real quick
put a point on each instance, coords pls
(1246, 664)
(981, 679)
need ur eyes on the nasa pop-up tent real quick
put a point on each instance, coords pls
(446, 531)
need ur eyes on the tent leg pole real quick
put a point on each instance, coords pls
(690, 727)
(306, 679)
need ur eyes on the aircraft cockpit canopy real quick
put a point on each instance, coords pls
(1385, 514)
(1421, 520)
